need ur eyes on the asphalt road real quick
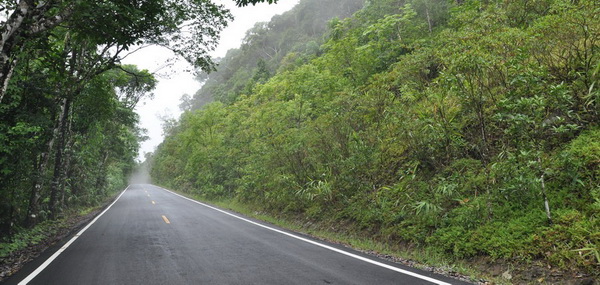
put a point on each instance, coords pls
(152, 236)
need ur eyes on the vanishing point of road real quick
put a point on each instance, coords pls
(153, 236)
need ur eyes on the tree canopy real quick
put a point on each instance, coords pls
(188, 28)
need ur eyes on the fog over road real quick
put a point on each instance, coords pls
(153, 236)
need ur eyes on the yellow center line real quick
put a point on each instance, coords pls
(166, 220)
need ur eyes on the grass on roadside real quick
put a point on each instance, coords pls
(26, 237)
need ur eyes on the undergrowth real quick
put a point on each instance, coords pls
(24, 238)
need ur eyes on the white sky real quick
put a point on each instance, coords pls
(175, 81)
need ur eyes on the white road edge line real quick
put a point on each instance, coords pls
(64, 247)
(406, 272)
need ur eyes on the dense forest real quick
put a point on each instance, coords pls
(466, 127)
(291, 37)
(68, 130)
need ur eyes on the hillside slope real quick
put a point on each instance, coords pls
(468, 128)
(294, 36)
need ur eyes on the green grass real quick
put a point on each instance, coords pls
(87, 210)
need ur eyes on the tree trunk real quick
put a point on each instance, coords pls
(543, 182)
(100, 179)
(38, 180)
(428, 20)
(33, 208)
(25, 21)
(59, 160)
(11, 37)
(67, 164)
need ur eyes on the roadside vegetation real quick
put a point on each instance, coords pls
(467, 128)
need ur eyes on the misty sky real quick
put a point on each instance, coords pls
(175, 81)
